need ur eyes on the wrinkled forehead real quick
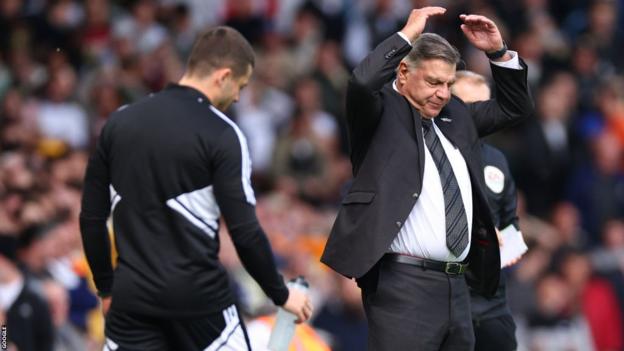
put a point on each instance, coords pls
(436, 69)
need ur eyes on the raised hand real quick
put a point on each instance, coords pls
(418, 19)
(482, 32)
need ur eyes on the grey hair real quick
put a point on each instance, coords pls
(430, 46)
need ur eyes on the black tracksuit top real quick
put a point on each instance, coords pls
(168, 167)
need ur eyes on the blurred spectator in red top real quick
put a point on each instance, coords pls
(597, 301)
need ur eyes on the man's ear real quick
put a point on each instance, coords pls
(222, 75)
(402, 71)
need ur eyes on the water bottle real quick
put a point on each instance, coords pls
(284, 327)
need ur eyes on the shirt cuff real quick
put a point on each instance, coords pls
(513, 63)
(405, 37)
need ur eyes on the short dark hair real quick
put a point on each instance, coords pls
(220, 47)
(430, 46)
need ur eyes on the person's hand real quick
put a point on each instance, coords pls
(106, 301)
(418, 19)
(482, 33)
(500, 244)
(299, 304)
(499, 236)
(512, 262)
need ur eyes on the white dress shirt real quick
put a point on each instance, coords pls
(424, 232)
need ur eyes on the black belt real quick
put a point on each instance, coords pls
(450, 268)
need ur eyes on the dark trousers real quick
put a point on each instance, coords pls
(495, 334)
(409, 308)
(133, 332)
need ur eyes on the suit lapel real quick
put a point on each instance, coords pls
(451, 127)
(404, 114)
(410, 118)
(417, 127)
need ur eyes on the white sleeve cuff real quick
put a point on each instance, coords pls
(513, 63)
(405, 37)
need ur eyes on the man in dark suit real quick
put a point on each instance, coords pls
(492, 321)
(417, 212)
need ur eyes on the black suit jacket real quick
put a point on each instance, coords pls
(387, 155)
(503, 200)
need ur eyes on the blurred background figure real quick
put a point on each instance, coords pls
(342, 317)
(595, 299)
(66, 336)
(65, 65)
(26, 315)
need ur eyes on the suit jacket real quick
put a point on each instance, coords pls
(387, 156)
(501, 194)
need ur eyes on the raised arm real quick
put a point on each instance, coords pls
(512, 100)
(364, 105)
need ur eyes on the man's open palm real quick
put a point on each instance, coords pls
(481, 32)
(418, 19)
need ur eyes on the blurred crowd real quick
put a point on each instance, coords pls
(65, 65)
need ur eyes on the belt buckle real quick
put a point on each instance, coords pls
(454, 268)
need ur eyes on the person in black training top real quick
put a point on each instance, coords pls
(493, 324)
(167, 168)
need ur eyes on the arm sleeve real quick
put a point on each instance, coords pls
(363, 101)
(513, 63)
(512, 104)
(93, 215)
(509, 201)
(402, 35)
(234, 195)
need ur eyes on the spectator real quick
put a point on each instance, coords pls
(567, 220)
(597, 186)
(547, 154)
(261, 112)
(553, 328)
(66, 337)
(58, 116)
(343, 316)
(597, 302)
(28, 321)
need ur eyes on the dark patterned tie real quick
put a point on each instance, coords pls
(456, 221)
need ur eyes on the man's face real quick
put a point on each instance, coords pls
(231, 88)
(427, 85)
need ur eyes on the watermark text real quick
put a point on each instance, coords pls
(3, 337)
